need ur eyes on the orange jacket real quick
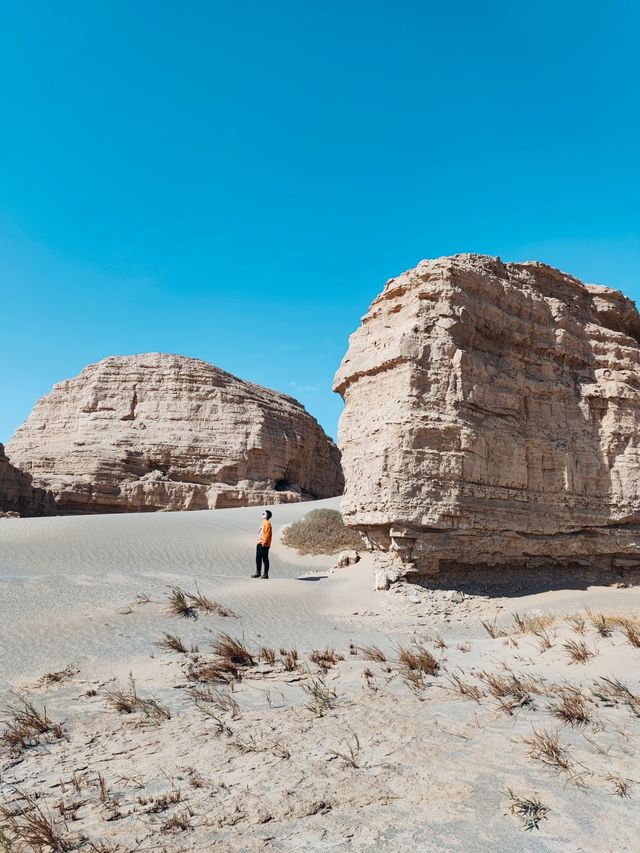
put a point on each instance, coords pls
(265, 534)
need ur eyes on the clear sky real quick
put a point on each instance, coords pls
(236, 180)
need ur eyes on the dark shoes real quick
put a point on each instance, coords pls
(264, 577)
(256, 575)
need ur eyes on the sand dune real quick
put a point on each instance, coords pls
(64, 581)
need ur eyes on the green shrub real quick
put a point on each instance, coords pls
(321, 531)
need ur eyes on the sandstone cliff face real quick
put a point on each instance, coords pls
(493, 415)
(18, 495)
(163, 432)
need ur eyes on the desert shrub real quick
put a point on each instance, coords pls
(321, 531)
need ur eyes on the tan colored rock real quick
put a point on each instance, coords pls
(164, 432)
(492, 416)
(18, 495)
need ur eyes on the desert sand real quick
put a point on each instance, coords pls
(345, 753)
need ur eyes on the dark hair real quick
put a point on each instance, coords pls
(268, 513)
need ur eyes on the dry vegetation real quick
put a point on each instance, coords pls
(572, 707)
(26, 726)
(373, 653)
(187, 605)
(321, 531)
(312, 720)
(578, 651)
(325, 659)
(127, 701)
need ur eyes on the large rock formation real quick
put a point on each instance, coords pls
(152, 432)
(493, 416)
(18, 495)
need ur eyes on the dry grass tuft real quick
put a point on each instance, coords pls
(417, 659)
(268, 655)
(195, 779)
(171, 643)
(415, 663)
(161, 802)
(222, 727)
(321, 698)
(281, 750)
(25, 726)
(545, 640)
(187, 604)
(600, 623)
(621, 786)
(633, 635)
(492, 629)
(577, 651)
(613, 692)
(576, 622)
(289, 659)
(510, 690)
(178, 822)
(464, 688)
(222, 700)
(530, 623)
(571, 708)
(248, 744)
(233, 651)
(373, 653)
(351, 755)
(321, 531)
(128, 702)
(631, 629)
(232, 656)
(207, 605)
(218, 670)
(32, 828)
(325, 659)
(529, 809)
(545, 746)
(178, 604)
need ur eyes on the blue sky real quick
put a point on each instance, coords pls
(235, 181)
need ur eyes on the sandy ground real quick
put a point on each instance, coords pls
(382, 757)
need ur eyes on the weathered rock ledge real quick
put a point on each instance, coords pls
(505, 428)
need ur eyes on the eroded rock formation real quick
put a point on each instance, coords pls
(493, 416)
(17, 493)
(164, 432)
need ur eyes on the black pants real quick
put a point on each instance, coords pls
(262, 556)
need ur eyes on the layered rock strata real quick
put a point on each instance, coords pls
(163, 432)
(17, 493)
(493, 417)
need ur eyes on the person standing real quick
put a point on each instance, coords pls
(262, 548)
